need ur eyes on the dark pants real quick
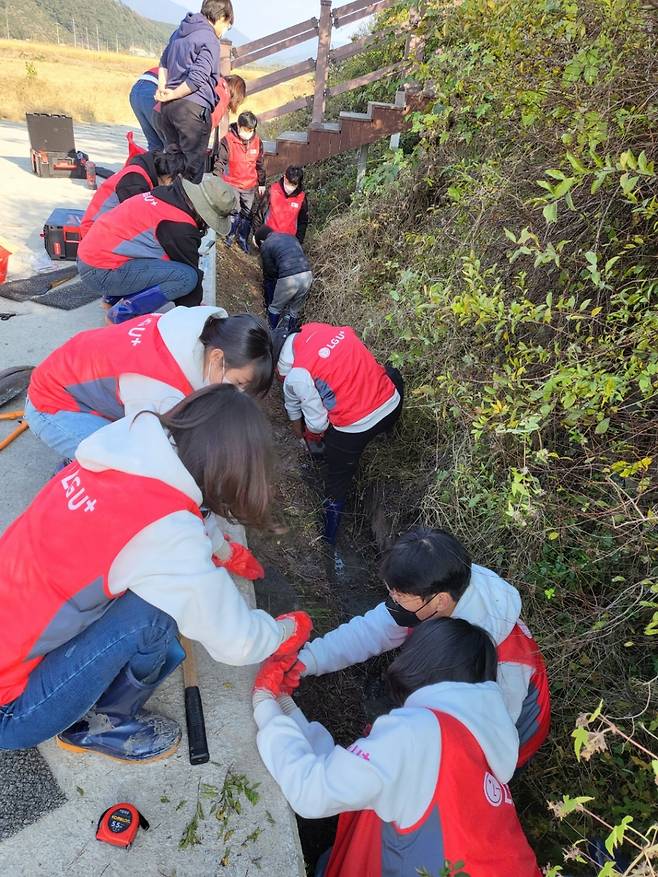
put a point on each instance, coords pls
(142, 101)
(342, 450)
(187, 125)
(71, 678)
(175, 279)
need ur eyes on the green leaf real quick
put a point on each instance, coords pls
(550, 212)
(616, 836)
(576, 163)
(571, 805)
(580, 738)
(602, 426)
(596, 713)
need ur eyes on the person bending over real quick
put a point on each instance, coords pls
(427, 787)
(337, 397)
(111, 561)
(428, 574)
(101, 375)
(240, 163)
(141, 174)
(287, 276)
(187, 82)
(145, 252)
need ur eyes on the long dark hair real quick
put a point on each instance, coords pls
(237, 88)
(224, 441)
(442, 650)
(169, 162)
(426, 562)
(244, 340)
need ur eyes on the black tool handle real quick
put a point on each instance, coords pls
(196, 726)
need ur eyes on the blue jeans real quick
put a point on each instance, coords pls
(71, 678)
(64, 430)
(175, 279)
(142, 101)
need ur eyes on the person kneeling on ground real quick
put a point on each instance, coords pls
(337, 396)
(284, 207)
(111, 561)
(287, 277)
(145, 252)
(429, 574)
(141, 174)
(240, 163)
(101, 375)
(427, 787)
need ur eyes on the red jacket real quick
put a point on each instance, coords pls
(350, 381)
(56, 557)
(471, 819)
(534, 722)
(130, 232)
(83, 374)
(242, 169)
(285, 210)
(224, 96)
(106, 197)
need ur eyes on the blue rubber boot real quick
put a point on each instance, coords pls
(117, 726)
(333, 510)
(111, 300)
(230, 237)
(244, 230)
(269, 284)
(137, 305)
(273, 319)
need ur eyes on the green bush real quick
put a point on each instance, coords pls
(508, 266)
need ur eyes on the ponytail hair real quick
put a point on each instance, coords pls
(244, 340)
(169, 162)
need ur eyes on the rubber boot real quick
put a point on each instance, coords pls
(117, 726)
(333, 510)
(244, 230)
(273, 319)
(269, 284)
(136, 305)
(230, 237)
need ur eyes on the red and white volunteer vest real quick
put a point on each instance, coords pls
(106, 197)
(241, 172)
(471, 819)
(224, 95)
(534, 722)
(284, 211)
(348, 378)
(56, 557)
(83, 374)
(129, 232)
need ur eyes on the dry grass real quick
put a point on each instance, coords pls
(92, 86)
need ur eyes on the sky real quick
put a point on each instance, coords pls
(256, 18)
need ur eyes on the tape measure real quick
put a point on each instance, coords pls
(119, 825)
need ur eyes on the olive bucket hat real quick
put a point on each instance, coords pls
(214, 200)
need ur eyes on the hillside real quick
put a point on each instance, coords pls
(104, 24)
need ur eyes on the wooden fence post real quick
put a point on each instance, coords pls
(322, 65)
(225, 47)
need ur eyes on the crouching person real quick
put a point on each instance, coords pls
(145, 252)
(112, 560)
(287, 277)
(428, 786)
(336, 393)
(428, 574)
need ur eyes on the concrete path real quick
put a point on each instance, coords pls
(27, 200)
(262, 838)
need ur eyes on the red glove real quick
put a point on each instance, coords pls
(241, 562)
(292, 678)
(303, 627)
(271, 675)
(315, 437)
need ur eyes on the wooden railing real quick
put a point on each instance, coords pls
(235, 57)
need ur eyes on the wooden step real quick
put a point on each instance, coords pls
(333, 138)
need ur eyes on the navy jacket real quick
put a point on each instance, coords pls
(192, 56)
(282, 256)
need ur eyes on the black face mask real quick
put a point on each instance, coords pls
(405, 617)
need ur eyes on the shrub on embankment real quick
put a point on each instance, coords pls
(508, 265)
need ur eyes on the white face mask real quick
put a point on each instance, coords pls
(224, 380)
(245, 135)
(289, 188)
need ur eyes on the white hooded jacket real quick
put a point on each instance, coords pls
(169, 563)
(393, 770)
(489, 602)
